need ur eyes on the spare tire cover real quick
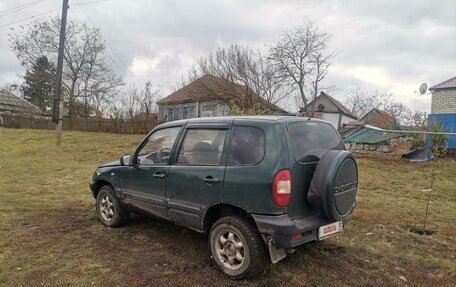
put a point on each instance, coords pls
(334, 185)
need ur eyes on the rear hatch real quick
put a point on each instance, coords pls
(309, 140)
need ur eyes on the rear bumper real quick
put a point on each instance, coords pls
(281, 229)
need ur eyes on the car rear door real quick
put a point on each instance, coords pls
(195, 181)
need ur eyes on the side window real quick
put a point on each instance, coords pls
(247, 146)
(202, 147)
(158, 146)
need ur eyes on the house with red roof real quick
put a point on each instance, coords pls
(379, 118)
(208, 96)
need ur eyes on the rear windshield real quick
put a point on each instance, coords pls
(311, 140)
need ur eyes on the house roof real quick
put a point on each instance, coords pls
(340, 107)
(448, 84)
(379, 118)
(363, 135)
(210, 87)
(11, 103)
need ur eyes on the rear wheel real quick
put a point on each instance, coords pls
(236, 247)
(109, 210)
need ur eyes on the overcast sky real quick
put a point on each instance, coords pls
(391, 45)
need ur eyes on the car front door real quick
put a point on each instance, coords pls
(143, 183)
(195, 181)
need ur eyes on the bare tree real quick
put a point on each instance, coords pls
(362, 100)
(405, 116)
(147, 99)
(86, 74)
(253, 73)
(301, 56)
(130, 102)
(136, 101)
(10, 87)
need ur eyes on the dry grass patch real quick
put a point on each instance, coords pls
(50, 235)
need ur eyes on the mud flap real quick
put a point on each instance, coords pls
(276, 254)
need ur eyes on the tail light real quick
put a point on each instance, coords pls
(281, 188)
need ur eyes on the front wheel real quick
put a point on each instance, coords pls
(237, 247)
(110, 212)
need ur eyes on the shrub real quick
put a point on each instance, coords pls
(252, 110)
(438, 142)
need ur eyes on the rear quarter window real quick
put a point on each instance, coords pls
(310, 140)
(247, 146)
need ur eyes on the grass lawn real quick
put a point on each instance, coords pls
(50, 235)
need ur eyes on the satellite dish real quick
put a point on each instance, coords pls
(423, 88)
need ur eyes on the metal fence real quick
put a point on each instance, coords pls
(448, 124)
(79, 124)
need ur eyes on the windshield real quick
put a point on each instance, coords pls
(311, 140)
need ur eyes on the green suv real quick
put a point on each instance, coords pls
(256, 186)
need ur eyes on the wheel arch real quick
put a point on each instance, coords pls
(97, 185)
(219, 210)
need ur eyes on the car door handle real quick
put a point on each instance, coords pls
(158, 175)
(210, 179)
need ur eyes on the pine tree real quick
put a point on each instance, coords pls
(39, 84)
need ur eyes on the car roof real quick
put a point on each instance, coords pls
(229, 120)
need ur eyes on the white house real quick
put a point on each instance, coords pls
(329, 109)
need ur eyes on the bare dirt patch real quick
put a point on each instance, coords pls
(148, 251)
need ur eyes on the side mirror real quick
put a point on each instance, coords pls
(125, 159)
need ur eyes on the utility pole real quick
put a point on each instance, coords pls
(57, 116)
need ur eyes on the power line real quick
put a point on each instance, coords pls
(107, 53)
(107, 43)
(19, 8)
(91, 2)
(119, 60)
(47, 12)
(31, 17)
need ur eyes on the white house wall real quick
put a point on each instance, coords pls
(346, 120)
(444, 101)
(332, 118)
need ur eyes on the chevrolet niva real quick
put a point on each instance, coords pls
(256, 186)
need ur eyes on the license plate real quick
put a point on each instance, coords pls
(330, 229)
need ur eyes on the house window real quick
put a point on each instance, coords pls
(208, 109)
(170, 114)
(185, 112)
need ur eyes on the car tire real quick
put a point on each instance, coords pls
(334, 185)
(236, 247)
(110, 212)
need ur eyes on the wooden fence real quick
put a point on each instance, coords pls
(79, 124)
